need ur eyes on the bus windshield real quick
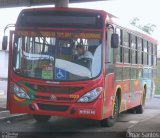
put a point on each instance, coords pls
(57, 56)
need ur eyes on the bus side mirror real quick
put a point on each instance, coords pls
(4, 42)
(114, 41)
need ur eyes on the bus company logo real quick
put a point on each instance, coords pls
(52, 98)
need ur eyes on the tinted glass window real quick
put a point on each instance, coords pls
(125, 39)
(119, 49)
(133, 42)
(145, 58)
(149, 54)
(133, 52)
(133, 45)
(145, 49)
(139, 44)
(126, 55)
(139, 57)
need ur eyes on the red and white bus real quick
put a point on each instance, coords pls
(78, 63)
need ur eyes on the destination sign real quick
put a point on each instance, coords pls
(87, 35)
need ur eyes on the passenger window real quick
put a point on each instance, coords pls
(154, 50)
(119, 49)
(139, 44)
(119, 32)
(149, 54)
(133, 56)
(145, 49)
(133, 42)
(145, 52)
(126, 55)
(125, 39)
(154, 55)
(126, 48)
(139, 49)
(133, 49)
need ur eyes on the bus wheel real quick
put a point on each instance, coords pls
(140, 109)
(131, 111)
(41, 118)
(109, 122)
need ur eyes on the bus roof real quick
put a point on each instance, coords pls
(63, 9)
(111, 19)
(130, 28)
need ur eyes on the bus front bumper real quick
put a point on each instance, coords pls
(91, 110)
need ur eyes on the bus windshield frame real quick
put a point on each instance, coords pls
(49, 67)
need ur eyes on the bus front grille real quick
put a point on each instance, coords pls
(48, 98)
(56, 89)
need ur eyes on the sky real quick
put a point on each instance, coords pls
(146, 10)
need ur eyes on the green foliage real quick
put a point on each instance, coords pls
(148, 28)
(134, 21)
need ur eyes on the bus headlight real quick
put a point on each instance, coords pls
(19, 92)
(90, 96)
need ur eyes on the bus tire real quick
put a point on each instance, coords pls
(140, 109)
(41, 118)
(131, 111)
(109, 122)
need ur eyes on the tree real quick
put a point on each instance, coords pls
(134, 21)
(148, 28)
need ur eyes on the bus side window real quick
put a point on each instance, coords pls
(149, 54)
(145, 52)
(126, 47)
(139, 49)
(154, 56)
(133, 49)
(119, 49)
(109, 50)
